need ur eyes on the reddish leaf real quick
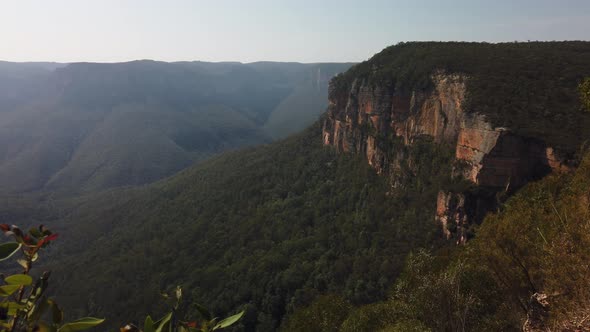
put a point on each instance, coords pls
(28, 239)
(52, 237)
(46, 240)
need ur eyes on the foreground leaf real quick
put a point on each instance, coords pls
(163, 322)
(19, 279)
(11, 307)
(8, 249)
(8, 290)
(36, 232)
(81, 324)
(57, 315)
(148, 326)
(228, 321)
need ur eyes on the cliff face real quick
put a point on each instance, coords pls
(358, 118)
(361, 117)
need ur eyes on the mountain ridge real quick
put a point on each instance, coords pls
(58, 118)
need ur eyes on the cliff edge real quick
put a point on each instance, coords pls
(370, 109)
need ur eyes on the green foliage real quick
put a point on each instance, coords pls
(270, 228)
(274, 228)
(406, 326)
(24, 305)
(449, 297)
(435, 293)
(8, 249)
(172, 321)
(18, 279)
(527, 87)
(584, 89)
(372, 317)
(81, 324)
(326, 313)
(538, 243)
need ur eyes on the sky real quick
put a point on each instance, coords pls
(269, 30)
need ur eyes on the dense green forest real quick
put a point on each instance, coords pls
(266, 230)
(538, 243)
(527, 87)
(303, 238)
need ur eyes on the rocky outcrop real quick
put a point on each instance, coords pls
(356, 117)
(450, 213)
(457, 212)
(495, 157)
(364, 115)
(359, 118)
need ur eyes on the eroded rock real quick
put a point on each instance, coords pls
(365, 115)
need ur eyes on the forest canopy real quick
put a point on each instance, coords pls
(530, 88)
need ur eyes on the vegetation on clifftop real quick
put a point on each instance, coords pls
(530, 88)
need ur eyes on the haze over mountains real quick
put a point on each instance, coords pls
(90, 126)
(338, 209)
(444, 189)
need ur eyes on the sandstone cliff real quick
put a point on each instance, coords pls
(364, 116)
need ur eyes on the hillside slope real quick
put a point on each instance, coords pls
(270, 229)
(525, 270)
(89, 126)
(266, 229)
(511, 111)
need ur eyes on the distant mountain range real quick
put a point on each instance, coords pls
(92, 126)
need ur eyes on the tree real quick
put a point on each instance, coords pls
(24, 304)
(584, 89)
(171, 321)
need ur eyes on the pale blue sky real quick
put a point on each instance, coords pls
(254, 30)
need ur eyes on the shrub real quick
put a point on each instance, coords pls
(24, 305)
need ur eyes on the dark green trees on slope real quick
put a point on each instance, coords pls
(585, 93)
(539, 243)
(527, 265)
(267, 229)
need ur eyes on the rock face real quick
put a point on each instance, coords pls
(495, 157)
(363, 115)
(357, 118)
(455, 212)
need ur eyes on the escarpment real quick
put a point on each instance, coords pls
(509, 113)
(362, 118)
(378, 120)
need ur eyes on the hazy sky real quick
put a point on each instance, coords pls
(279, 30)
